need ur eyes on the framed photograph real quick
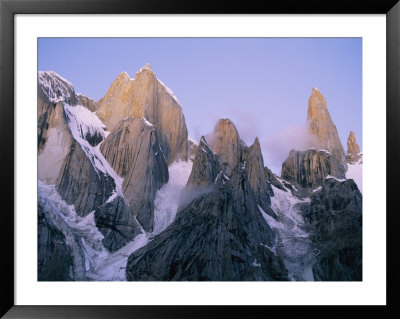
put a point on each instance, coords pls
(198, 155)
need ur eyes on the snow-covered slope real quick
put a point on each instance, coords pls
(354, 172)
(168, 197)
(91, 259)
(55, 87)
(293, 241)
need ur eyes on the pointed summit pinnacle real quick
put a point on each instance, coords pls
(147, 66)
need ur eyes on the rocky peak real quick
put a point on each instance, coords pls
(220, 235)
(353, 150)
(147, 97)
(322, 127)
(254, 164)
(226, 143)
(54, 88)
(205, 166)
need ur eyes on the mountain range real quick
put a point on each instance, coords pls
(125, 194)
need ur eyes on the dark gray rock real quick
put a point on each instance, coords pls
(80, 184)
(272, 180)
(335, 214)
(116, 221)
(219, 236)
(309, 168)
(254, 165)
(55, 260)
(205, 166)
(134, 151)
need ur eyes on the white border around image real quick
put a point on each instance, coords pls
(371, 291)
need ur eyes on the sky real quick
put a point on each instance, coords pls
(261, 84)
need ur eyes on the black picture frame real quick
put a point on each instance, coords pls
(9, 8)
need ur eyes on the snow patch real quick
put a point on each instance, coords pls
(112, 267)
(167, 199)
(54, 86)
(169, 91)
(354, 172)
(317, 189)
(293, 241)
(147, 122)
(90, 123)
(333, 177)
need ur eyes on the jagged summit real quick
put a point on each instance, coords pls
(55, 88)
(146, 68)
(147, 97)
(225, 141)
(352, 146)
(322, 127)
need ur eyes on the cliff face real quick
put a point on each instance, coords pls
(309, 168)
(335, 213)
(205, 166)
(54, 140)
(61, 158)
(254, 164)
(226, 143)
(147, 97)
(55, 261)
(134, 151)
(322, 127)
(80, 184)
(210, 240)
(116, 221)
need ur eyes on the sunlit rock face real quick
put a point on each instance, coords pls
(353, 150)
(147, 97)
(226, 143)
(322, 127)
(309, 168)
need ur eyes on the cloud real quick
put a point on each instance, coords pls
(277, 145)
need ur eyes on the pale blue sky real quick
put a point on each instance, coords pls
(262, 84)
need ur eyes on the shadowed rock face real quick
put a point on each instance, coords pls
(220, 235)
(254, 164)
(335, 214)
(147, 97)
(309, 168)
(116, 221)
(80, 184)
(55, 261)
(205, 166)
(322, 127)
(226, 143)
(134, 151)
(61, 160)
(353, 150)
(272, 180)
